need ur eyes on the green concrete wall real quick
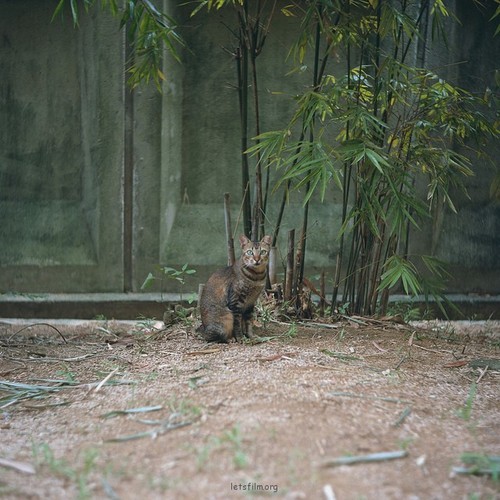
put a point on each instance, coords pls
(61, 145)
(66, 129)
(469, 240)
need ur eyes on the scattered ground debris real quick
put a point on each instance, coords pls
(126, 410)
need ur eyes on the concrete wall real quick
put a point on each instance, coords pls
(60, 149)
(469, 240)
(66, 131)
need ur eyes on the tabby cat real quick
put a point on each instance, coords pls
(228, 298)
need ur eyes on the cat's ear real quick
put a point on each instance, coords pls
(267, 240)
(244, 240)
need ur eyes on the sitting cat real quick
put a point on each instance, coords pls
(228, 298)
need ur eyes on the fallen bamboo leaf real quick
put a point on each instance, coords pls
(203, 351)
(340, 355)
(61, 360)
(44, 407)
(410, 340)
(105, 379)
(456, 364)
(363, 396)
(402, 416)
(479, 464)
(17, 392)
(144, 409)
(482, 374)
(355, 319)
(431, 350)
(372, 457)
(152, 434)
(319, 325)
(108, 489)
(378, 347)
(328, 492)
(492, 364)
(262, 340)
(195, 382)
(19, 466)
(274, 357)
(472, 471)
(149, 422)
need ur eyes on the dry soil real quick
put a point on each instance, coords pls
(139, 411)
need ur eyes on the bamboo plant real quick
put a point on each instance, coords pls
(374, 132)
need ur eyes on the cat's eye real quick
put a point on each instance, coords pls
(249, 252)
(263, 252)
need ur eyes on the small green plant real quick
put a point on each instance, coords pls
(168, 273)
(343, 308)
(265, 313)
(231, 438)
(406, 311)
(45, 457)
(184, 408)
(234, 439)
(405, 443)
(291, 333)
(67, 375)
(341, 334)
(466, 411)
(479, 463)
(183, 314)
(145, 324)
(165, 274)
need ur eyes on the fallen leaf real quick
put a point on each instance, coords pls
(203, 351)
(378, 347)
(19, 466)
(274, 357)
(456, 364)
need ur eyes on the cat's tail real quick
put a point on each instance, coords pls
(213, 334)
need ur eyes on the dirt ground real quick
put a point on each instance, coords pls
(131, 410)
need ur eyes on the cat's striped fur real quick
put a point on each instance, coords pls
(228, 298)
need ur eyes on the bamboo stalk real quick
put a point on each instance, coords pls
(272, 266)
(289, 265)
(299, 260)
(322, 294)
(229, 233)
(241, 58)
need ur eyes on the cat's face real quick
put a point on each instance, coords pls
(255, 253)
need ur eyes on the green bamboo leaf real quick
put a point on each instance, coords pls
(148, 281)
(58, 9)
(399, 269)
(74, 11)
(377, 160)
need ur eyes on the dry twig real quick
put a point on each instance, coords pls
(37, 324)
